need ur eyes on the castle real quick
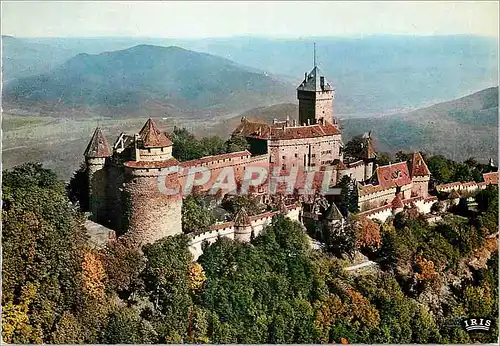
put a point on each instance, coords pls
(123, 179)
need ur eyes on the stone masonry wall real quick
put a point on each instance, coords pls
(151, 215)
(226, 229)
(97, 174)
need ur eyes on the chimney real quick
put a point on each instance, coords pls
(308, 122)
(287, 122)
(305, 76)
(275, 121)
(294, 123)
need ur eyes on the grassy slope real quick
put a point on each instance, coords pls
(59, 143)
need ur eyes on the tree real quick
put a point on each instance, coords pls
(367, 233)
(354, 147)
(42, 242)
(349, 195)
(340, 241)
(213, 145)
(185, 145)
(236, 143)
(401, 156)
(166, 282)
(126, 326)
(251, 204)
(195, 214)
(383, 159)
(78, 188)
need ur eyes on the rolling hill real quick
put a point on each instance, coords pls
(373, 75)
(166, 81)
(458, 129)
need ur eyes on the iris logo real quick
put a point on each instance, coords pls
(477, 324)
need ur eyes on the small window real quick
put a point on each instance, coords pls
(283, 167)
(296, 155)
(283, 157)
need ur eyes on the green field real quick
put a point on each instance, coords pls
(59, 143)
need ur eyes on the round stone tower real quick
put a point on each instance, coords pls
(96, 157)
(242, 226)
(151, 210)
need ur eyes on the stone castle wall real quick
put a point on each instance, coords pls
(302, 152)
(150, 215)
(226, 229)
(324, 106)
(381, 197)
(97, 174)
(384, 212)
(315, 105)
(469, 187)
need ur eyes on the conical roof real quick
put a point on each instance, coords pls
(241, 218)
(417, 166)
(368, 152)
(98, 146)
(334, 213)
(152, 137)
(397, 202)
(312, 82)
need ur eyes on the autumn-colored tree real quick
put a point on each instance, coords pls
(94, 274)
(42, 247)
(196, 276)
(367, 233)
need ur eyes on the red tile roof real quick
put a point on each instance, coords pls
(491, 178)
(252, 129)
(152, 164)
(369, 189)
(417, 165)
(98, 146)
(393, 175)
(152, 137)
(265, 131)
(310, 131)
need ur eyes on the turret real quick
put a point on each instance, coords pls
(420, 175)
(397, 204)
(315, 97)
(242, 226)
(151, 213)
(96, 155)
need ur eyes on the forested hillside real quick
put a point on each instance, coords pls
(276, 289)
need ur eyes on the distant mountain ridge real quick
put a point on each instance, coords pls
(174, 79)
(373, 75)
(458, 129)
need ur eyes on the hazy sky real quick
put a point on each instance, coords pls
(218, 19)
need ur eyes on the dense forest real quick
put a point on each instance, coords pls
(275, 289)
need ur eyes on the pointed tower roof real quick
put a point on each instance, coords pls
(417, 166)
(312, 82)
(98, 146)
(334, 213)
(152, 137)
(241, 218)
(367, 151)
